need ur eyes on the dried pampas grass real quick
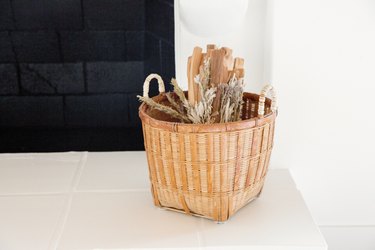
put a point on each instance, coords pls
(202, 113)
(226, 96)
(231, 100)
(168, 110)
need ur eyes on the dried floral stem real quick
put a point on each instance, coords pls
(219, 99)
(163, 108)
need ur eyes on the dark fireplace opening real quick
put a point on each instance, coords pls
(70, 71)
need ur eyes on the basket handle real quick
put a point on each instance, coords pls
(262, 99)
(146, 84)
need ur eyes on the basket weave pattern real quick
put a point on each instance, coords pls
(209, 170)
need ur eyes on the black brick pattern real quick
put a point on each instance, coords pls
(133, 109)
(167, 55)
(161, 25)
(52, 78)
(70, 71)
(93, 46)
(153, 54)
(135, 45)
(114, 14)
(47, 14)
(8, 80)
(6, 20)
(36, 46)
(6, 50)
(72, 139)
(104, 77)
(159, 47)
(97, 111)
(31, 111)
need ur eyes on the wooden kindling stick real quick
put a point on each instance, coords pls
(222, 68)
(193, 70)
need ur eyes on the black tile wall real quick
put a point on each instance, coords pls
(153, 54)
(36, 46)
(31, 111)
(6, 49)
(93, 46)
(160, 24)
(8, 79)
(112, 77)
(167, 54)
(114, 14)
(6, 19)
(135, 45)
(97, 111)
(70, 71)
(52, 78)
(73, 139)
(47, 14)
(133, 109)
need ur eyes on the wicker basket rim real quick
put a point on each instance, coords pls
(204, 128)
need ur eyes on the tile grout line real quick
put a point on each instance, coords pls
(57, 234)
(32, 194)
(113, 191)
(39, 194)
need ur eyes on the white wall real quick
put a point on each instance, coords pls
(323, 65)
(320, 55)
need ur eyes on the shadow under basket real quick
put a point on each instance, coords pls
(209, 170)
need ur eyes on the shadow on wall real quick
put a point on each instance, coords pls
(70, 71)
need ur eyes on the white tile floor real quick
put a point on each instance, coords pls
(102, 201)
(106, 171)
(37, 173)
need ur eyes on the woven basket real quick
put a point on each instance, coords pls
(208, 170)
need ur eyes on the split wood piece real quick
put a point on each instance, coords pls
(190, 87)
(188, 66)
(193, 90)
(228, 59)
(239, 73)
(211, 47)
(204, 57)
(239, 67)
(216, 105)
(219, 73)
(201, 72)
(238, 63)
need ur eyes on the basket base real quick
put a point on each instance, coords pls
(256, 192)
(202, 216)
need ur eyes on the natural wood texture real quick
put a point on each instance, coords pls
(195, 63)
(191, 97)
(228, 59)
(222, 68)
(211, 47)
(209, 170)
(216, 104)
(238, 63)
(218, 70)
(239, 70)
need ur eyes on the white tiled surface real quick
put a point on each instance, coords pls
(37, 173)
(128, 219)
(29, 222)
(102, 201)
(108, 170)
